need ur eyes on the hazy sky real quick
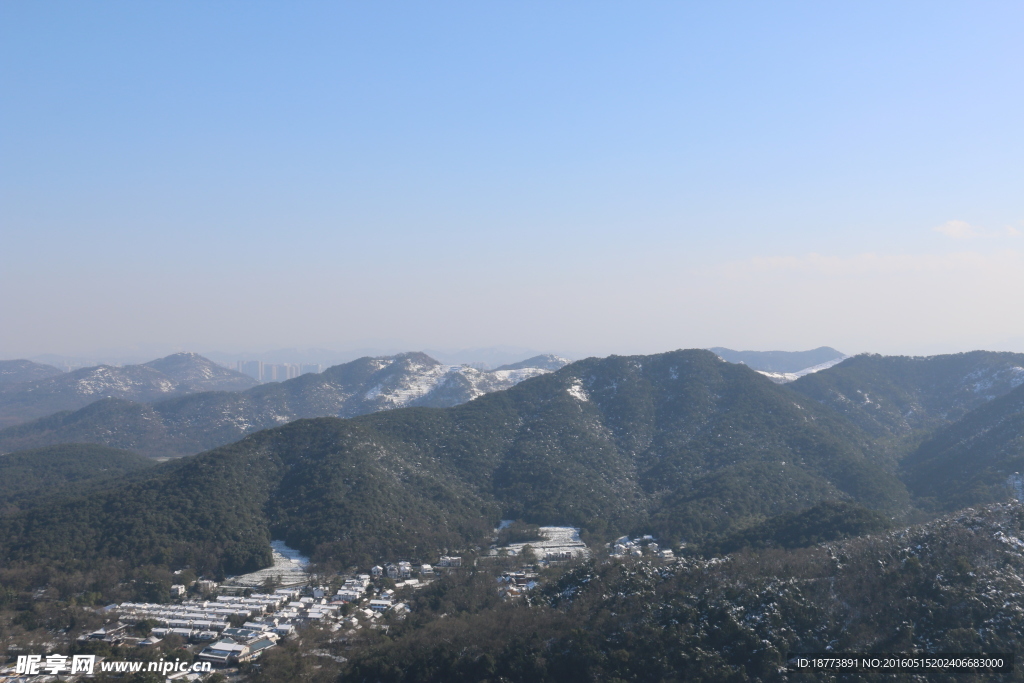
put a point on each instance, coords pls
(585, 177)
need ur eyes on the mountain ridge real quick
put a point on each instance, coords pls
(200, 421)
(178, 374)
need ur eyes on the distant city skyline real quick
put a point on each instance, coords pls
(590, 178)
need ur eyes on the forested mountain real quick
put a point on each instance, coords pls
(182, 373)
(193, 373)
(970, 461)
(43, 472)
(779, 361)
(18, 371)
(680, 443)
(900, 398)
(200, 421)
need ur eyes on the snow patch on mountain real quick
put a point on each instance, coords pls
(784, 377)
(577, 392)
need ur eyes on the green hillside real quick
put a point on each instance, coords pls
(969, 462)
(27, 475)
(899, 399)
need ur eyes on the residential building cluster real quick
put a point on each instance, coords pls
(405, 570)
(514, 584)
(637, 547)
(268, 617)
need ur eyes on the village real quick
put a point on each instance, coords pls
(235, 622)
(237, 625)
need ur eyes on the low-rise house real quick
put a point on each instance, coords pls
(380, 605)
(225, 652)
(243, 635)
(112, 634)
(259, 647)
(377, 571)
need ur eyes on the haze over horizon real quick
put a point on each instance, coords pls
(579, 179)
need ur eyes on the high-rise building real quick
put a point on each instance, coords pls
(253, 368)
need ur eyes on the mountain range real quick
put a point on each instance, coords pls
(175, 375)
(199, 421)
(681, 443)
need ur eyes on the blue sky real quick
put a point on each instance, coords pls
(589, 178)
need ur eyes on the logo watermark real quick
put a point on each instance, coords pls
(34, 665)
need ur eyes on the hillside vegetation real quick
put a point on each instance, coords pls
(899, 399)
(28, 475)
(970, 461)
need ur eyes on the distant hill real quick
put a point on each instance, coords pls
(780, 361)
(902, 397)
(545, 361)
(181, 373)
(969, 462)
(45, 471)
(17, 371)
(679, 443)
(200, 421)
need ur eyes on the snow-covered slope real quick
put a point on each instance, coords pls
(783, 377)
